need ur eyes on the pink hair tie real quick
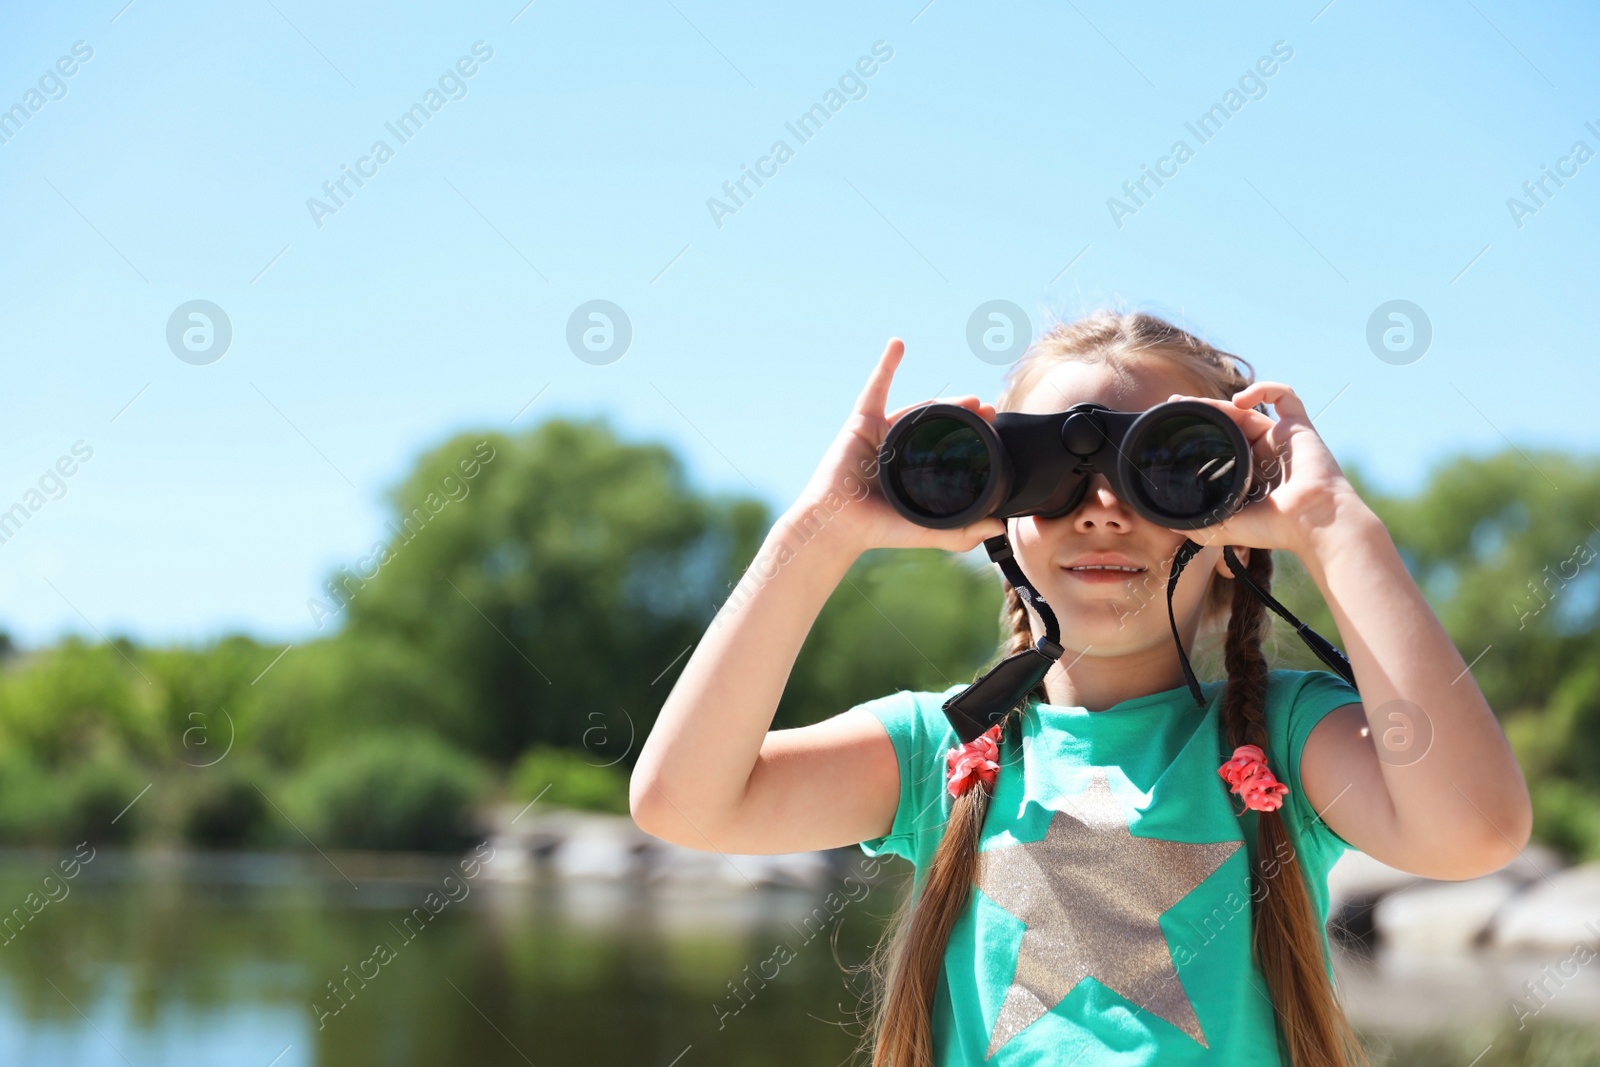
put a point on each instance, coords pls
(1247, 775)
(977, 760)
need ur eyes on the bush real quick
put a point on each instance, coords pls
(390, 791)
(223, 809)
(573, 781)
(31, 804)
(88, 801)
(99, 799)
(1566, 816)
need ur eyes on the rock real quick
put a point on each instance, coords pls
(674, 863)
(580, 844)
(1554, 912)
(598, 846)
(1442, 916)
(594, 857)
(510, 861)
(1436, 994)
(665, 862)
(1357, 883)
(798, 870)
(1357, 877)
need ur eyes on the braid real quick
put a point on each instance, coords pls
(1014, 623)
(1245, 700)
(906, 964)
(1287, 944)
(1018, 633)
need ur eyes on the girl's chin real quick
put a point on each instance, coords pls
(1100, 595)
(1108, 621)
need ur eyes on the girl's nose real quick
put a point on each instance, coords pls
(1101, 507)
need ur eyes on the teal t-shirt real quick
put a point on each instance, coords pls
(1111, 919)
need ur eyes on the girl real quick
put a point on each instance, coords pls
(1113, 874)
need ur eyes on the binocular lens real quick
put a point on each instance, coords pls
(1186, 465)
(943, 466)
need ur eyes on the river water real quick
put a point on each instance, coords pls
(182, 960)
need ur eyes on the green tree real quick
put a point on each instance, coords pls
(547, 578)
(920, 619)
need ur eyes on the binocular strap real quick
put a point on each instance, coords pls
(986, 701)
(1318, 644)
(1325, 650)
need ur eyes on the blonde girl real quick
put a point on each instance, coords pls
(1114, 874)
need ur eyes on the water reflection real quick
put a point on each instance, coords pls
(271, 961)
(190, 959)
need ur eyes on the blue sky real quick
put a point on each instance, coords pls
(576, 163)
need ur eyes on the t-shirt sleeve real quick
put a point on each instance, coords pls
(905, 719)
(1315, 693)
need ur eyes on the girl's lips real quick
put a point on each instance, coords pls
(1103, 577)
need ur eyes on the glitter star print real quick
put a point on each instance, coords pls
(1091, 895)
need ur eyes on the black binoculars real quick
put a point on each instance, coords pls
(1182, 464)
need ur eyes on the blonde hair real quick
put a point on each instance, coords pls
(1285, 937)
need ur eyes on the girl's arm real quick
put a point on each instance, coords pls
(1459, 810)
(710, 776)
(713, 775)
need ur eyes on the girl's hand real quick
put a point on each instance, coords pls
(844, 495)
(1299, 484)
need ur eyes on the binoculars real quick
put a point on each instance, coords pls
(1182, 464)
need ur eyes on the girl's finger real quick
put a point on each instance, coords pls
(963, 538)
(1254, 424)
(875, 396)
(974, 405)
(1282, 398)
(895, 416)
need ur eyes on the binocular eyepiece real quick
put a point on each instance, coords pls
(1181, 464)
